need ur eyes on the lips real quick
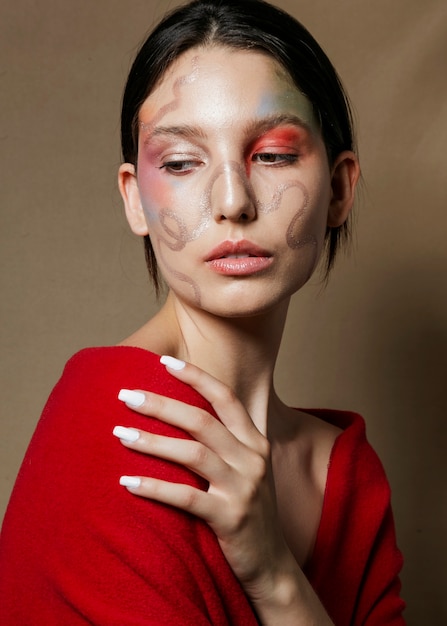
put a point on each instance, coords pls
(238, 258)
(236, 249)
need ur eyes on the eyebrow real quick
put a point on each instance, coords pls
(185, 131)
(254, 127)
(260, 126)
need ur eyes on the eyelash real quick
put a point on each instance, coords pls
(185, 166)
(280, 159)
(274, 159)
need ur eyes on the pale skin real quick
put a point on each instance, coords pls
(229, 152)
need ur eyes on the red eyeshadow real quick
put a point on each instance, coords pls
(278, 137)
(285, 137)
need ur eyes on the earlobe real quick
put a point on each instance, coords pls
(128, 186)
(345, 175)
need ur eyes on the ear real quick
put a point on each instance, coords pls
(345, 175)
(128, 186)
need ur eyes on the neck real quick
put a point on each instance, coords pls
(240, 352)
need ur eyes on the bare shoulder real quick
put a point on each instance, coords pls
(156, 335)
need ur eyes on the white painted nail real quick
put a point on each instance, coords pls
(126, 434)
(171, 362)
(132, 398)
(130, 481)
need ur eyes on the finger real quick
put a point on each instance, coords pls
(184, 497)
(200, 424)
(221, 397)
(192, 454)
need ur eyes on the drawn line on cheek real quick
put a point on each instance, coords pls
(274, 204)
(182, 277)
(181, 238)
(292, 240)
(295, 244)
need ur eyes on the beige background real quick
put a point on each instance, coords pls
(375, 340)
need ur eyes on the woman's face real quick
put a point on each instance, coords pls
(233, 183)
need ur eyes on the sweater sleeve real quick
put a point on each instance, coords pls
(76, 548)
(356, 563)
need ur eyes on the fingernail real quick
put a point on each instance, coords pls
(174, 364)
(130, 481)
(132, 398)
(126, 434)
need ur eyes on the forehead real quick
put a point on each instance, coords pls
(224, 84)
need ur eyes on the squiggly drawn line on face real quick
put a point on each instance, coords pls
(275, 202)
(181, 235)
(182, 277)
(292, 240)
(175, 103)
(221, 170)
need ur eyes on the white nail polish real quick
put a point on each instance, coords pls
(132, 398)
(130, 481)
(171, 362)
(126, 434)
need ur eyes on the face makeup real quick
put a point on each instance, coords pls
(175, 273)
(233, 179)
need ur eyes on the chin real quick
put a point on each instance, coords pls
(246, 305)
(242, 298)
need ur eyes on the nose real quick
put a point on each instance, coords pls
(231, 194)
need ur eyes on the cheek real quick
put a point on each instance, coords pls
(173, 206)
(155, 193)
(299, 213)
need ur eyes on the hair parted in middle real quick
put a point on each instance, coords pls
(248, 25)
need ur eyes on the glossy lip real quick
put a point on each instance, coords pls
(251, 258)
(229, 248)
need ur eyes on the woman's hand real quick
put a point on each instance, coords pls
(233, 456)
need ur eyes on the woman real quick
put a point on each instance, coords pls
(239, 169)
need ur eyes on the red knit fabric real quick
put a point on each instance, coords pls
(76, 548)
(355, 564)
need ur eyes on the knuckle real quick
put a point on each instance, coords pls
(240, 517)
(200, 422)
(188, 499)
(264, 448)
(239, 512)
(259, 468)
(223, 397)
(197, 454)
(249, 495)
(228, 396)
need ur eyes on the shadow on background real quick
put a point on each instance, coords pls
(409, 359)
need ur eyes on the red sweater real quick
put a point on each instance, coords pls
(77, 549)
